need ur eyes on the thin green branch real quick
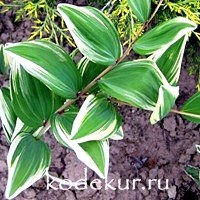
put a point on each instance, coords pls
(185, 113)
(121, 103)
(11, 5)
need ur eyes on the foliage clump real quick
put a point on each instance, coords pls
(45, 16)
(127, 24)
(46, 19)
(186, 8)
(124, 20)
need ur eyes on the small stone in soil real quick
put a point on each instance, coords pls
(172, 192)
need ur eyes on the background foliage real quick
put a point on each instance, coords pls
(48, 24)
(46, 19)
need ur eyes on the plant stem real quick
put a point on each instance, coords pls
(66, 105)
(108, 69)
(12, 5)
(172, 110)
(185, 113)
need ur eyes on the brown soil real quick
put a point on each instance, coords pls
(146, 152)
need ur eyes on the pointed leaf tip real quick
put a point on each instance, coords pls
(94, 154)
(140, 8)
(50, 64)
(93, 33)
(96, 120)
(8, 117)
(32, 101)
(134, 82)
(166, 99)
(191, 108)
(163, 35)
(28, 160)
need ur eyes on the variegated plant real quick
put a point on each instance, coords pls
(45, 84)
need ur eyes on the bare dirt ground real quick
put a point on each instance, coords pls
(146, 152)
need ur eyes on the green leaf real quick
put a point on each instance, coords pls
(28, 160)
(3, 61)
(95, 154)
(50, 64)
(194, 173)
(163, 36)
(191, 109)
(32, 101)
(7, 114)
(96, 120)
(134, 82)
(58, 102)
(19, 128)
(119, 135)
(61, 124)
(140, 83)
(166, 99)
(169, 60)
(93, 33)
(198, 148)
(2, 67)
(140, 8)
(89, 71)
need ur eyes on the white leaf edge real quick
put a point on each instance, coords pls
(30, 181)
(100, 134)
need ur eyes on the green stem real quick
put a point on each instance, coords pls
(185, 113)
(172, 110)
(42, 130)
(12, 5)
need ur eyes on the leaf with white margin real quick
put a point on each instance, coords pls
(61, 124)
(7, 114)
(32, 101)
(134, 82)
(191, 109)
(198, 148)
(169, 60)
(93, 33)
(20, 127)
(97, 119)
(119, 135)
(140, 8)
(166, 99)
(3, 61)
(163, 35)
(141, 83)
(94, 154)
(49, 63)
(28, 160)
(193, 172)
